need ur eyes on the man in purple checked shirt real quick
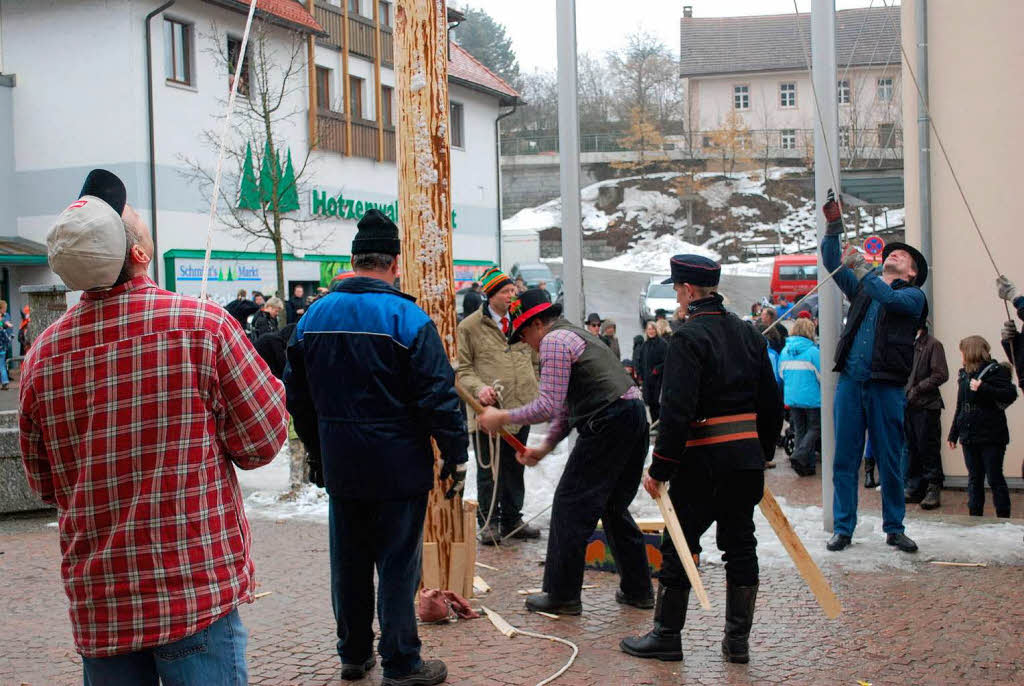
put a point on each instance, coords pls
(583, 387)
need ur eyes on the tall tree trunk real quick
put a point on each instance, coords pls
(424, 204)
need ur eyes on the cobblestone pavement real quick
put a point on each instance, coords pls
(927, 626)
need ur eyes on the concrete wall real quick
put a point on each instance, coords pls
(976, 109)
(528, 181)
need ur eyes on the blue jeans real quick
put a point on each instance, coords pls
(215, 655)
(388, 536)
(878, 409)
(3, 366)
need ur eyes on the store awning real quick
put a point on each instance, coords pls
(16, 251)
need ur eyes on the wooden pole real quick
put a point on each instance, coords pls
(424, 208)
(345, 86)
(378, 57)
(675, 532)
(311, 69)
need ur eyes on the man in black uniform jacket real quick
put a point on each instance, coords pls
(720, 415)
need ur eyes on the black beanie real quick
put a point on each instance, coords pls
(107, 187)
(377, 234)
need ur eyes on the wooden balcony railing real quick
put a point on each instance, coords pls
(360, 34)
(331, 136)
(331, 18)
(330, 131)
(387, 46)
(360, 37)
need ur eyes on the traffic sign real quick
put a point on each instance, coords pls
(874, 245)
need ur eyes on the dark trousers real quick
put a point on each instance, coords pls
(652, 396)
(985, 461)
(924, 448)
(508, 509)
(702, 494)
(388, 536)
(600, 480)
(806, 423)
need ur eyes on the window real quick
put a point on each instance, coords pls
(887, 135)
(885, 90)
(385, 13)
(741, 97)
(707, 142)
(787, 94)
(797, 272)
(844, 137)
(456, 125)
(743, 141)
(353, 6)
(178, 52)
(323, 88)
(789, 139)
(387, 102)
(355, 97)
(844, 92)
(234, 48)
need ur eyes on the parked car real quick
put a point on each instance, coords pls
(657, 296)
(534, 273)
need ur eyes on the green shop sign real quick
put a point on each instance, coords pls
(340, 207)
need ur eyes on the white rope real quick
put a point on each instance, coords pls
(572, 658)
(223, 142)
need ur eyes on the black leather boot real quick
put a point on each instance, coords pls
(739, 616)
(869, 474)
(663, 641)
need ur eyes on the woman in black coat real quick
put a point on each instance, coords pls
(985, 391)
(651, 364)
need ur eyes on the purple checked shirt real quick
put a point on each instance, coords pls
(558, 351)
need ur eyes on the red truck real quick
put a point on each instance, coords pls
(793, 276)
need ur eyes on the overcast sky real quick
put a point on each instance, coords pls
(602, 25)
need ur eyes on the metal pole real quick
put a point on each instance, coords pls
(830, 314)
(924, 177)
(569, 158)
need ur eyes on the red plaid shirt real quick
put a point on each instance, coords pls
(134, 407)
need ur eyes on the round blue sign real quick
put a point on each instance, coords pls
(874, 245)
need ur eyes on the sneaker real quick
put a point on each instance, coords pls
(525, 531)
(932, 499)
(901, 541)
(489, 535)
(430, 672)
(356, 671)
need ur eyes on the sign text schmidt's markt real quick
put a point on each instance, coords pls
(340, 207)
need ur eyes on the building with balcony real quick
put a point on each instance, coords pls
(750, 77)
(74, 95)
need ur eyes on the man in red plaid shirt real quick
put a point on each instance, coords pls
(136, 406)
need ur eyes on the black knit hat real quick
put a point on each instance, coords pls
(530, 305)
(107, 187)
(377, 234)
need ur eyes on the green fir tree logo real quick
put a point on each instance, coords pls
(255, 194)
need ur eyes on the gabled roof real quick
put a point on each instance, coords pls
(289, 13)
(468, 71)
(730, 45)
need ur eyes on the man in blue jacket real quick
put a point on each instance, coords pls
(369, 384)
(874, 359)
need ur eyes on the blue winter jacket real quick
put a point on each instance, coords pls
(800, 366)
(368, 385)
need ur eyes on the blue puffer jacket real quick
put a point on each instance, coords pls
(800, 366)
(369, 384)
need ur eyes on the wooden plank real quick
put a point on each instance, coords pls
(675, 531)
(469, 533)
(457, 568)
(650, 526)
(481, 586)
(376, 81)
(958, 564)
(486, 566)
(499, 622)
(804, 564)
(311, 75)
(346, 105)
(431, 566)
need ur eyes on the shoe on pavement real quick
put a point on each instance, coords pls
(838, 542)
(489, 535)
(543, 602)
(527, 532)
(932, 499)
(912, 497)
(430, 672)
(901, 541)
(644, 603)
(354, 671)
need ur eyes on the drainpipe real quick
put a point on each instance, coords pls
(924, 163)
(152, 136)
(497, 142)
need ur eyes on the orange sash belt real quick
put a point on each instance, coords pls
(726, 429)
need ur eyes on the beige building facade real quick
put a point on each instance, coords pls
(975, 102)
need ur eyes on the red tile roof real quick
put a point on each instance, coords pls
(291, 12)
(463, 66)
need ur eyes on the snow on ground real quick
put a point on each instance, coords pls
(762, 266)
(986, 542)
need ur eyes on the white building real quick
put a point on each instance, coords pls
(73, 96)
(755, 69)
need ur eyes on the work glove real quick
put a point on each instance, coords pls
(1007, 291)
(457, 473)
(1009, 331)
(316, 469)
(833, 215)
(855, 261)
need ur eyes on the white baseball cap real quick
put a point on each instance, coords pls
(86, 246)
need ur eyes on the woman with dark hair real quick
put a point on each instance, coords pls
(652, 360)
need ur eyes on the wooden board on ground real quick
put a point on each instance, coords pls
(651, 526)
(499, 622)
(457, 567)
(431, 566)
(801, 558)
(675, 531)
(469, 531)
(480, 586)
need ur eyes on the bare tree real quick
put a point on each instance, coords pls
(732, 143)
(271, 103)
(647, 76)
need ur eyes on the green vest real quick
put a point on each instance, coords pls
(596, 380)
